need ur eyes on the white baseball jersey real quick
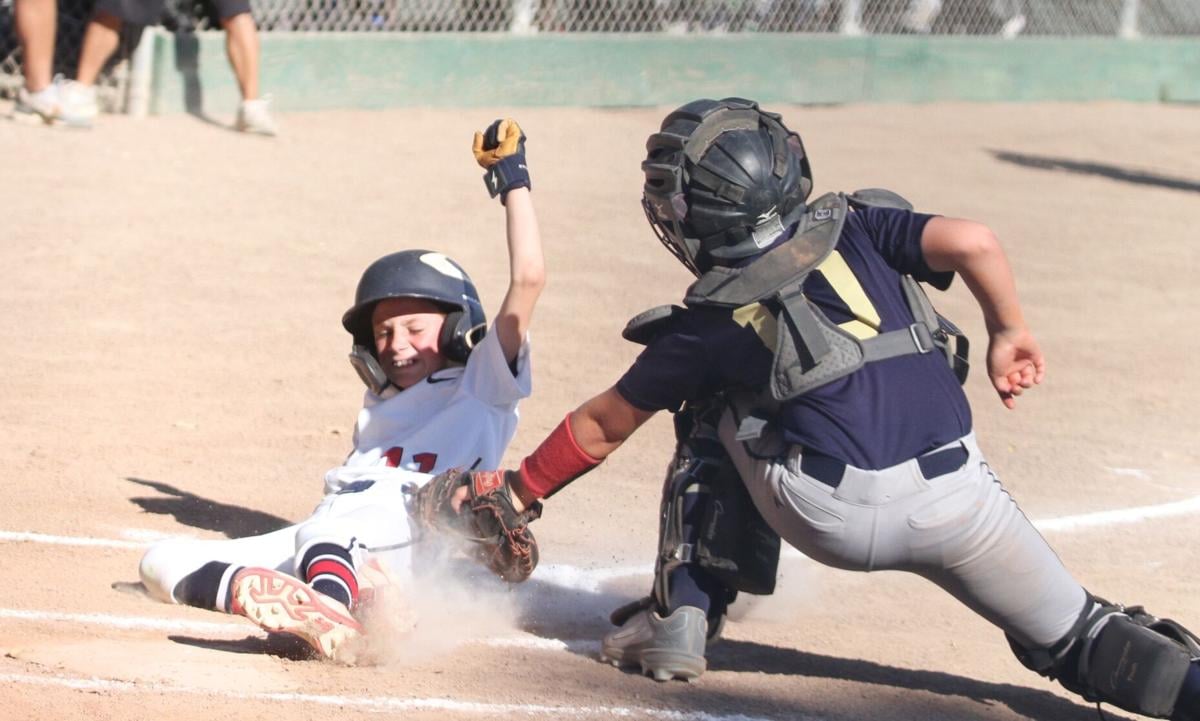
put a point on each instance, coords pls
(462, 416)
(457, 417)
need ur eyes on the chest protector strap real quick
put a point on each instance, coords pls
(810, 350)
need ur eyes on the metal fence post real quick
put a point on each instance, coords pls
(141, 68)
(522, 17)
(851, 18)
(1129, 19)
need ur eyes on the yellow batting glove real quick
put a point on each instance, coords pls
(500, 150)
(502, 139)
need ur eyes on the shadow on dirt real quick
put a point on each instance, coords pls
(751, 657)
(289, 647)
(1112, 172)
(199, 512)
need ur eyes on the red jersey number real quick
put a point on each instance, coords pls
(425, 461)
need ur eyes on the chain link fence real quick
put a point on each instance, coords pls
(1009, 18)
(1003, 18)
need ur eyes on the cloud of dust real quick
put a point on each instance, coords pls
(438, 611)
(457, 601)
(797, 589)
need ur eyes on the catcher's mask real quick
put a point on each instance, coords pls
(721, 177)
(415, 274)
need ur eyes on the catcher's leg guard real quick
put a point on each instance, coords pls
(707, 517)
(1123, 656)
(679, 579)
(712, 540)
(712, 543)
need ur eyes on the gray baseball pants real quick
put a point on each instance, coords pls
(959, 529)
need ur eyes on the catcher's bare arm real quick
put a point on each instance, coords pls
(578, 444)
(1015, 362)
(585, 438)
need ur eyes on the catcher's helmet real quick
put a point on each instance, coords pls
(723, 180)
(420, 274)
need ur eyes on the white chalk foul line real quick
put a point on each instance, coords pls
(21, 536)
(202, 628)
(588, 579)
(591, 579)
(377, 703)
(1120, 516)
(238, 628)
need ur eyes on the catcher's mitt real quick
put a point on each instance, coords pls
(488, 519)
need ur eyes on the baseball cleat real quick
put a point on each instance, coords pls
(664, 648)
(280, 603)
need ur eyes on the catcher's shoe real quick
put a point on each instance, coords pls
(622, 614)
(665, 648)
(280, 603)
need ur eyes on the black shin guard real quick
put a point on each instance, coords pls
(1137, 668)
(707, 517)
(1122, 656)
(712, 540)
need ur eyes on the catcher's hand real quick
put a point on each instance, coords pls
(500, 535)
(501, 151)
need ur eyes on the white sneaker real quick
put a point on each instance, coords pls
(78, 107)
(254, 116)
(40, 107)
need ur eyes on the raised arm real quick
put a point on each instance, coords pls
(501, 151)
(527, 272)
(1014, 360)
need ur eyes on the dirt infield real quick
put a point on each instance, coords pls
(174, 365)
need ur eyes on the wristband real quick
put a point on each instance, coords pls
(507, 174)
(555, 463)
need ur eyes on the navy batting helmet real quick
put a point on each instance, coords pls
(724, 179)
(420, 274)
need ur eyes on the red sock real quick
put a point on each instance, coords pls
(329, 569)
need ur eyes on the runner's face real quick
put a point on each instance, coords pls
(406, 339)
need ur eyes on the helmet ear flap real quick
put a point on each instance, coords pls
(448, 342)
(459, 337)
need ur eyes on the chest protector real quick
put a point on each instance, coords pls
(810, 350)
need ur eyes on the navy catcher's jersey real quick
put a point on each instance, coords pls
(882, 414)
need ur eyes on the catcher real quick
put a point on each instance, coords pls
(815, 378)
(442, 391)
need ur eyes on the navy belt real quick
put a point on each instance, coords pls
(829, 470)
